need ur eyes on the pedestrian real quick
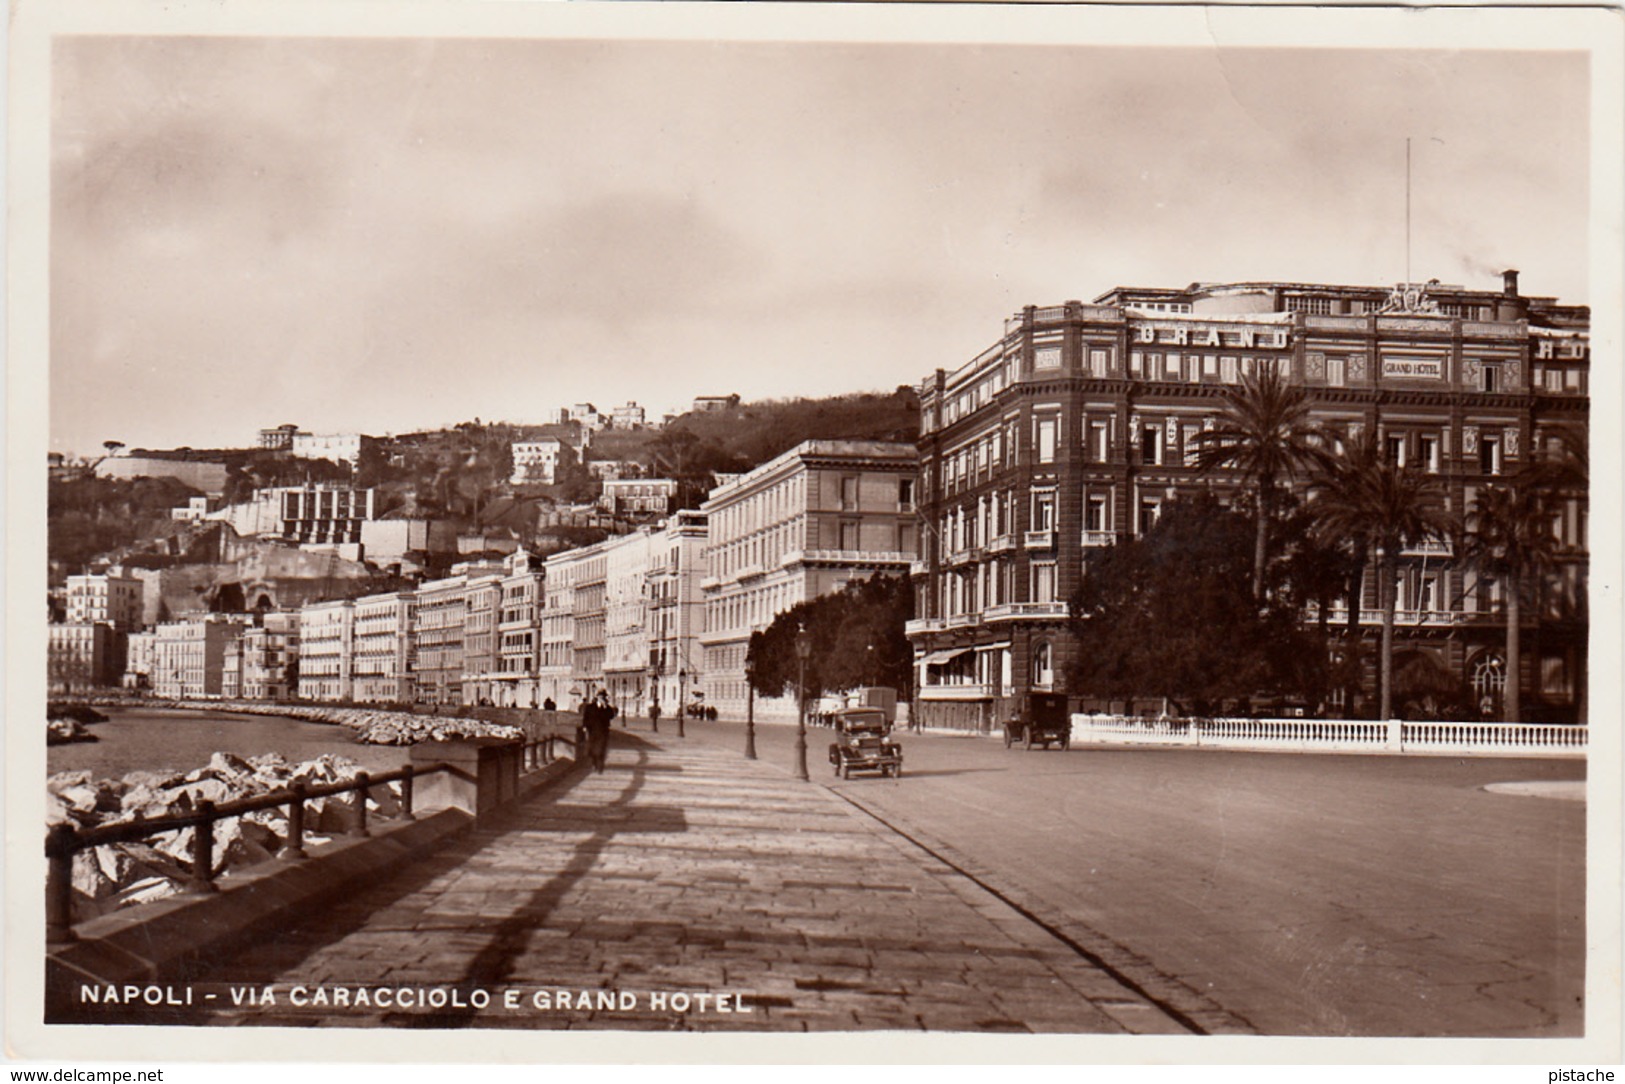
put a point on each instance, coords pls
(598, 715)
(548, 705)
(654, 716)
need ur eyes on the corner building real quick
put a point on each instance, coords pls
(1080, 423)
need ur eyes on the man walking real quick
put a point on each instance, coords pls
(598, 715)
(654, 716)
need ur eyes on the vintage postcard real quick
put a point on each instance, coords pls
(948, 533)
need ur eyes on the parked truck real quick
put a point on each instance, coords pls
(875, 696)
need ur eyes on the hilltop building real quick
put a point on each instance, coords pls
(1078, 425)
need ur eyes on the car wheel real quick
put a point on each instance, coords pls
(837, 766)
(1066, 742)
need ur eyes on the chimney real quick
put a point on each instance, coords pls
(1509, 283)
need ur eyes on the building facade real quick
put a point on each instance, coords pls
(1080, 423)
(81, 655)
(519, 634)
(677, 568)
(536, 460)
(326, 650)
(108, 597)
(192, 657)
(381, 642)
(638, 496)
(480, 621)
(799, 526)
(270, 657)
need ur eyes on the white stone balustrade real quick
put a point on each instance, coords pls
(1336, 735)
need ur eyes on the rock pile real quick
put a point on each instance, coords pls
(65, 731)
(117, 874)
(372, 726)
(65, 723)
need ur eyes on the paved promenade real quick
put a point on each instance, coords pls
(685, 869)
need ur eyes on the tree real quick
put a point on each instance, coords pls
(856, 635)
(1172, 615)
(1509, 536)
(1263, 433)
(1362, 494)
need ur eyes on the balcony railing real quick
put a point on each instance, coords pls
(921, 625)
(962, 621)
(1039, 540)
(1339, 615)
(1002, 544)
(918, 568)
(1094, 539)
(1431, 548)
(858, 557)
(954, 692)
(1017, 611)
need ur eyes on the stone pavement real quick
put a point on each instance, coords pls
(683, 869)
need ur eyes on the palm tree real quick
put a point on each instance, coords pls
(1264, 433)
(1509, 536)
(1361, 494)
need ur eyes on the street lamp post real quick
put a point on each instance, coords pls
(682, 704)
(654, 697)
(750, 709)
(803, 649)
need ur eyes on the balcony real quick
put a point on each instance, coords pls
(1097, 539)
(1002, 544)
(1431, 548)
(962, 621)
(922, 625)
(1028, 611)
(963, 557)
(1039, 540)
(918, 568)
(858, 557)
(954, 692)
(1339, 615)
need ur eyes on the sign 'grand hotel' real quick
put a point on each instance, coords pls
(1080, 423)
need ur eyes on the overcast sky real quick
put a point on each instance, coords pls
(377, 236)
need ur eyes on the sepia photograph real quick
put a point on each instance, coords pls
(925, 532)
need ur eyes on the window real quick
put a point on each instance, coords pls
(1489, 455)
(1043, 665)
(1227, 370)
(1046, 439)
(1098, 363)
(1489, 377)
(1151, 445)
(1394, 448)
(1190, 436)
(1100, 446)
(1043, 581)
(1429, 446)
(1337, 372)
(905, 494)
(1136, 363)
(1150, 512)
(1095, 514)
(849, 492)
(1043, 510)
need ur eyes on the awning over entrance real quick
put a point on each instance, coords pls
(937, 658)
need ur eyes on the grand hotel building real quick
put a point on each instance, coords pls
(1078, 425)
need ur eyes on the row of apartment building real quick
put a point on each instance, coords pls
(663, 614)
(1072, 431)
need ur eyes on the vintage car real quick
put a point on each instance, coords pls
(1042, 719)
(862, 744)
